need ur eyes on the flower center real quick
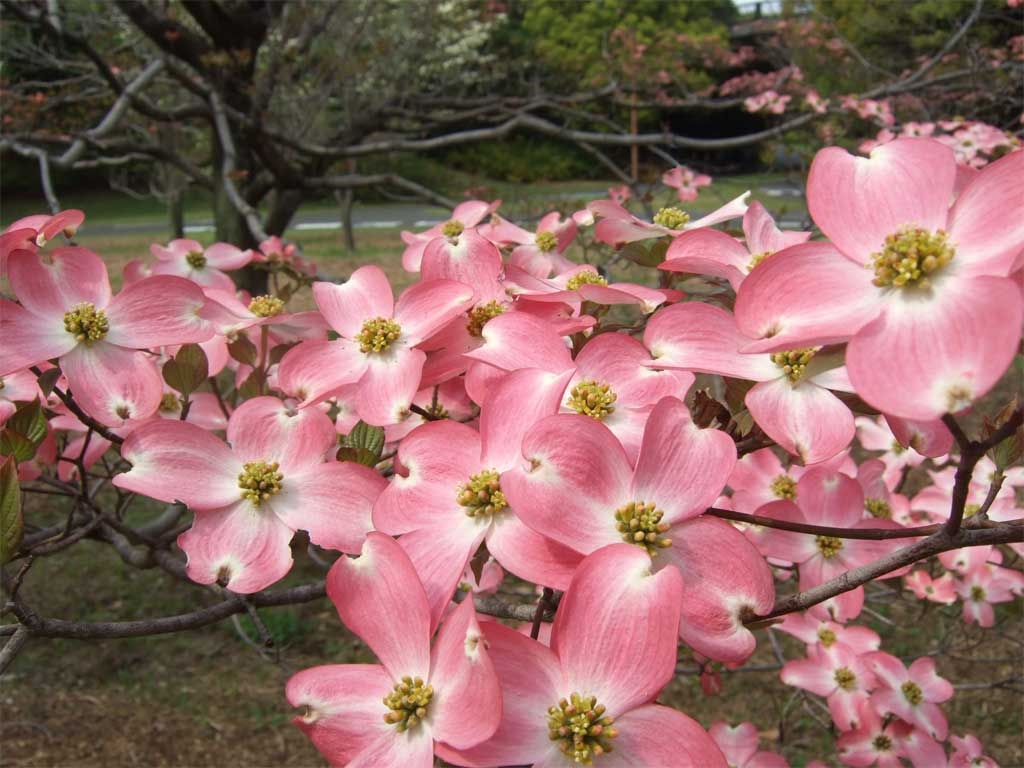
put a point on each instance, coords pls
(592, 399)
(584, 278)
(640, 524)
(195, 259)
(829, 546)
(757, 258)
(882, 743)
(482, 496)
(86, 323)
(845, 679)
(793, 362)
(453, 228)
(170, 403)
(671, 218)
(910, 256)
(897, 447)
(826, 637)
(912, 692)
(259, 480)
(480, 315)
(547, 241)
(580, 728)
(784, 487)
(978, 594)
(408, 703)
(378, 334)
(878, 508)
(266, 306)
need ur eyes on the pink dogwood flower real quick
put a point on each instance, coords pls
(67, 312)
(739, 745)
(911, 694)
(33, 232)
(274, 477)
(837, 673)
(579, 488)
(586, 700)
(540, 252)
(901, 277)
(969, 753)
(618, 226)
(465, 216)
(419, 698)
(377, 348)
(686, 183)
(205, 266)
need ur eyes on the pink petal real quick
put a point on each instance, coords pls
(517, 340)
(857, 201)
(621, 361)
(265, 429)
(935, 368)
(471, 259)
(511, 408)
(379, 597)
(700, 337)
(806, 295)
(332, 501)
(72, 275)
(440, 556)
(30, 339)
(364, 296)
(466, 709)
(639, 614)
(113, 384)
(156, 311)
(390, 383)
(929, 438)
(531, 681)
(577, 476)
(427, 306)
(725, 580)
(737, 742)
(174, 460)
(245, 546)
(708, 252)
(530, 555)
(682, 468)
(731, 210)
(762, 234)
(935, 689)
(805, 419)
(315, 370)
(227, 256)
(681, 742)
(830, 498)
(985, 223)
(412, 749)
(344, 709)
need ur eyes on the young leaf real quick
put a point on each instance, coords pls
(11, 525)
(188, 370)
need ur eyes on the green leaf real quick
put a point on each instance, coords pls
(11, 524)
(48, 380)
(30, 422)
(253, 384)
(363, 445)
(17, 445)
(479, 561)
(243, 350)
(188, 370)
(279, 351)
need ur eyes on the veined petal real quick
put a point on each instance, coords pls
(805, 419)
(413, 748)
(805, 295)
(380, 598)
(314, 370)
(764, 236)
(241, 544)
(156, 311)
(425, 307)
(174, 460)
(333, 502)
(470, 259)
(857, 201)
(682, 468)
(517, 340)
(364, 296)
(111, 383)
(30, 339)
(46, 288)
(227, 256)
(731, 210)
(638, 612)
(344, 713)
(985, 224)
(680, 741)
(265, 429)
(389, 385)
(577, 475)
(926, 356)
(468, 699)
(700, 337)
(531, 555)
(708, 252)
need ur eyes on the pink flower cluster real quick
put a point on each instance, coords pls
(516, 411)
